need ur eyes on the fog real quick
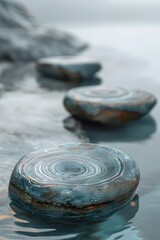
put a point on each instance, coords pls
(91, 11)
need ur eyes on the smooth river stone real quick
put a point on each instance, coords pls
(68, 68)
(108, 105)
(73, 179)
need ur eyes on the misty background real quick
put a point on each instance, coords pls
(122, 27)
(91, 11)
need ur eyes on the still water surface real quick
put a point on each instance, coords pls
(32, 117)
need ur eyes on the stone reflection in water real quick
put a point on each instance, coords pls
(24, 77)
(99, 228)
(135, 131)
(52, 84)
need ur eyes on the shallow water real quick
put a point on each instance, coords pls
(32, 117)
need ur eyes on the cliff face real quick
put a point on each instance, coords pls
(22, 38)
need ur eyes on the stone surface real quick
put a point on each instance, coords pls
(22, 38)
(108, 105)
(72, 179)
(68, 68)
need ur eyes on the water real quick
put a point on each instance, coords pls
(32, 117)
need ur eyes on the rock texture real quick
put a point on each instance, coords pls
(108, 105)
(72, 179)
(23, 39)
(68, 68)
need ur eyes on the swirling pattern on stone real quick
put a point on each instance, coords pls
(68, 68)
(73, 177)
(108, 105)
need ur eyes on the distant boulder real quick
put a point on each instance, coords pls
(22, 38)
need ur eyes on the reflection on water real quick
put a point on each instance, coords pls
(19, 225)
(134, 131)
(52, 84)
(23, 77)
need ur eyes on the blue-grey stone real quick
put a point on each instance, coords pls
(68, 68)
(73, 179)
(108, 105)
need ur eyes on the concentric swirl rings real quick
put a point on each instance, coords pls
(74, 176)
(100, 92)
(108, 105)
(69, 168)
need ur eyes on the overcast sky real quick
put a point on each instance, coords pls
(94, 10)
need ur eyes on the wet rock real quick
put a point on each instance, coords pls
(22, 38)
(68, 68)
(108, 105)
(73, 179)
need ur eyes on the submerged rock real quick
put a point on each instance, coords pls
(108, 105)
(68, 68)
(22, 38)
(73, 179)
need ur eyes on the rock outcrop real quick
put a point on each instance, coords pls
(22, 38)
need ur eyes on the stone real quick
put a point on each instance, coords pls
(68, 68)
(111, 106)
(73, 179)
(22, 38)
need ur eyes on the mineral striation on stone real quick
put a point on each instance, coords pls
(108, 105)
(73, 179)
(68, 68)
(22, 38)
